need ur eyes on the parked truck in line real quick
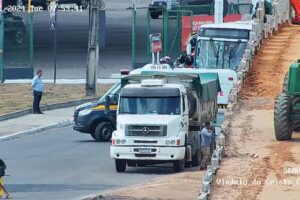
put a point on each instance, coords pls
(159, 117)
(220, 47)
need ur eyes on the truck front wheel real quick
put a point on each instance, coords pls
(103, 132)
(120, 165)
(178, 165)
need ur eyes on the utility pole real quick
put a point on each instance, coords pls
(1, 43)
(93, 49)
(133, 24)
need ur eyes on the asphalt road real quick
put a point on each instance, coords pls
(72, 41)
(64, 164)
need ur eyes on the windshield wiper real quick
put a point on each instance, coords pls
(215, 50)
(232, 52)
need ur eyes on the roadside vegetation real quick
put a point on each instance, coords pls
(14, 97)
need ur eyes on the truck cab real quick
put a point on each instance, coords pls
(160, 116)
(221, 46)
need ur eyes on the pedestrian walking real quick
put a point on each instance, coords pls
(3, 191)
(206, 137)
(38, 87)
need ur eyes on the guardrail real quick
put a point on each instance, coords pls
(263, 27)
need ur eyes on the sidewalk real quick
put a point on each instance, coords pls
(32, 121)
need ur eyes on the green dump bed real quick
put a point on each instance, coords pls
(205, 83)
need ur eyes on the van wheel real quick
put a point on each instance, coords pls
(120, 165)
(103, 132)
(93, 136)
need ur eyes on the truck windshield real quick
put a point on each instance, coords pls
(216, 54)
(150, 105)
(115, 89)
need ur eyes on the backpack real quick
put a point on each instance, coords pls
(2, 168)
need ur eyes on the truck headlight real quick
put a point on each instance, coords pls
(84, 112)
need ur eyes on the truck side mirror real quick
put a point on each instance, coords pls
(107, 102)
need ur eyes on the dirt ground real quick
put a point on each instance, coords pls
(14, 97)
(256, 165)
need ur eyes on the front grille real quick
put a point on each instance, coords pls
(147, 131)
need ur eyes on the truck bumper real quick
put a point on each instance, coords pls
(147, 153)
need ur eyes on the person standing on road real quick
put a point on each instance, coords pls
(38, 87)
(206, 136)
(2, 173)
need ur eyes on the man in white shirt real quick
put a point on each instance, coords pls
(38, 87)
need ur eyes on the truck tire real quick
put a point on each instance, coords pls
(285, 83)
(282, 125)
(196, 159)
(103, 132)
(178, 165)
(120, 165)
(192, 101)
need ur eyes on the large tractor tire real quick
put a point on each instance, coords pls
(282, 125)
(296, 123)
(285, 83)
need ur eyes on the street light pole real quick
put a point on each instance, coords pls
(133, 34)
(1, 43)
(93, 49)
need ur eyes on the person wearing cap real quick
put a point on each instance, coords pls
(165, 60)
(206, 137)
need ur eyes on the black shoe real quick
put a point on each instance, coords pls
(35, 112)
(40, 112)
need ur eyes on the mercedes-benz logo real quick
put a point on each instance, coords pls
(145, 130)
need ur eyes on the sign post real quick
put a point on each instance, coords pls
(30, 19)
(53, 18)
(156, 46)
(1, 43)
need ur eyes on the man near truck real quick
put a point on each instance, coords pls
(206, 137)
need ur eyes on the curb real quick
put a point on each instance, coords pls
(32, 131)
(46, 107)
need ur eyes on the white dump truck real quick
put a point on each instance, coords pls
(159, 117)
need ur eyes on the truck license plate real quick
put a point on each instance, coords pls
(145, 150)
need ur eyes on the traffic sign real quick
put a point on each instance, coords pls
(156, 46)
(155, 37)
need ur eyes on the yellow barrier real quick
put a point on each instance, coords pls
(1, 191)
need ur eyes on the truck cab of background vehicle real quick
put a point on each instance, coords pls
(95, 118)
(159, 118)
(220, 47)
